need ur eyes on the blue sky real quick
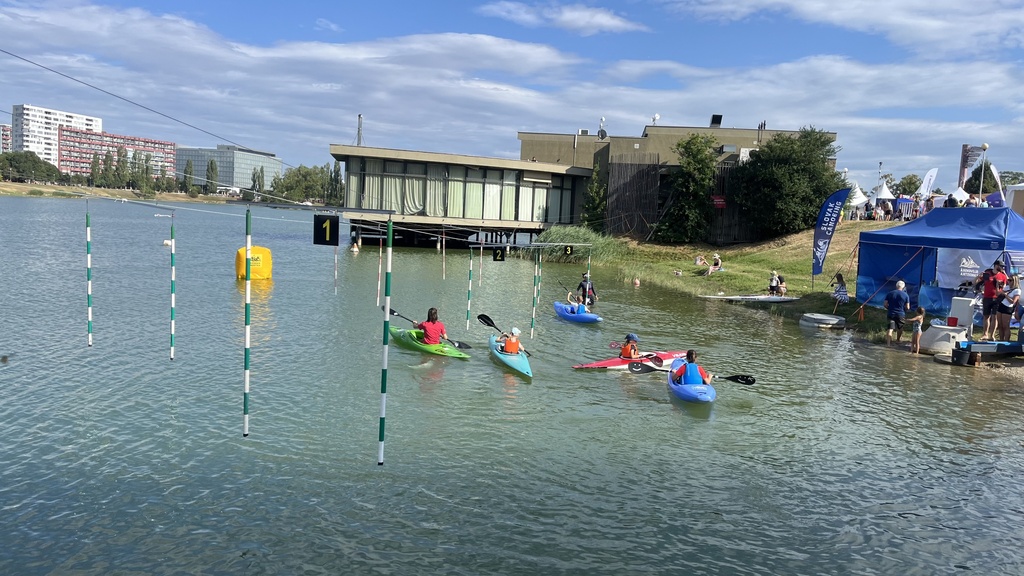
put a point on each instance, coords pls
(903, 82)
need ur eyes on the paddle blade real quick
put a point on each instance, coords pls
(460, 345)
(741, 378)
(639, 368)
(614, 345)
(486, 321)
(657, 361)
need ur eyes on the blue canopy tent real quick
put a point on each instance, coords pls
(936, 253)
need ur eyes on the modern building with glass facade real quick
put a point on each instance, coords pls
(36, 129)
(434, 190)
(235, 165)
(77, 148)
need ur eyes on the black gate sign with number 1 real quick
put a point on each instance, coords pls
(325, 229)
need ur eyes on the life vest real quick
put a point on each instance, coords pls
(511, 345)
(687, 373)
(629, 351)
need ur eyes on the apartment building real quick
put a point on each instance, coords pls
(77, 147)
(5, 139)
(37, 129)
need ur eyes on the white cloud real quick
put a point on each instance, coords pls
(583, 20)
(928, 27)
(471, 93)
(325, 24)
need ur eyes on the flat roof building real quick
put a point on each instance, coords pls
(37, 129)
(235, 165)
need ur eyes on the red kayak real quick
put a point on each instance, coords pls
(657, 360)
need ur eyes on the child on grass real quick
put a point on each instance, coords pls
(916, 321)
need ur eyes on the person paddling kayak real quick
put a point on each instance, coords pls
(690, 372)
(433, 329)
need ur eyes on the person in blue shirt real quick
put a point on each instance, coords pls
(897, 303)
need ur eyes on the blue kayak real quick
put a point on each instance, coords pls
(568, 312)
(519, 362)
(701, 393)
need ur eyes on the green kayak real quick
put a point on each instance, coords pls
(413, 339)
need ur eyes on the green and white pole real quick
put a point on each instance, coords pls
(248, 318)
(380, 263)
(173, 273)
(88, 272)
(469, 292)
(384, 355)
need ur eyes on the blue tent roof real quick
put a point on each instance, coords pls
(967, 228)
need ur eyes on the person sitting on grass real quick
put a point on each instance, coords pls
(776, 285)
(715, 266)
(840, 294)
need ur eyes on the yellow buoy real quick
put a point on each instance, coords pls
(261, 266)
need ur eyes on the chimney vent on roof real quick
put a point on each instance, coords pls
(584, 132)
(716, 120)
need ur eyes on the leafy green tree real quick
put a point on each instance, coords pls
(26, 167)
(781, 188)
(989, 182)
(595, 204)
(211, 177)
(107, 173)
(302, 183)
(689, 206)
(907, 185)
(336, 186)
(94, 169)
(1011, 177)
(187, 179)
(122, 168)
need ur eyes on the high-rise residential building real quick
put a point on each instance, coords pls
(5, 138)
(36, 129)
(235, 165)
(77, 148)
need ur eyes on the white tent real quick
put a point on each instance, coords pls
(857, 197)
(961, 195)
(883, 193)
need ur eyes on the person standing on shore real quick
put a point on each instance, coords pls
(897, 303)
(992, 282)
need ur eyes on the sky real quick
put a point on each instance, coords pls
(903, 83)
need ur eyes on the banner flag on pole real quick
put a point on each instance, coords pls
(925, 189)
(828, 219)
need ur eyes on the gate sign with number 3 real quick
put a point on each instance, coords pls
(568, 250)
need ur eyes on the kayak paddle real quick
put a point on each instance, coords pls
(741, 378)
(455, 343)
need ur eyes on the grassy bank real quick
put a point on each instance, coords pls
(746, 269)
(53, 191)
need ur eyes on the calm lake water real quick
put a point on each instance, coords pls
(844, 458)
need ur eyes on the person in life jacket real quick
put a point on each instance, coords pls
(585, 292)
(690, 372)
(510, 342)
(629, 349)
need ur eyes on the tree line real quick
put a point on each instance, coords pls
(778, 191)
(121, 170)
